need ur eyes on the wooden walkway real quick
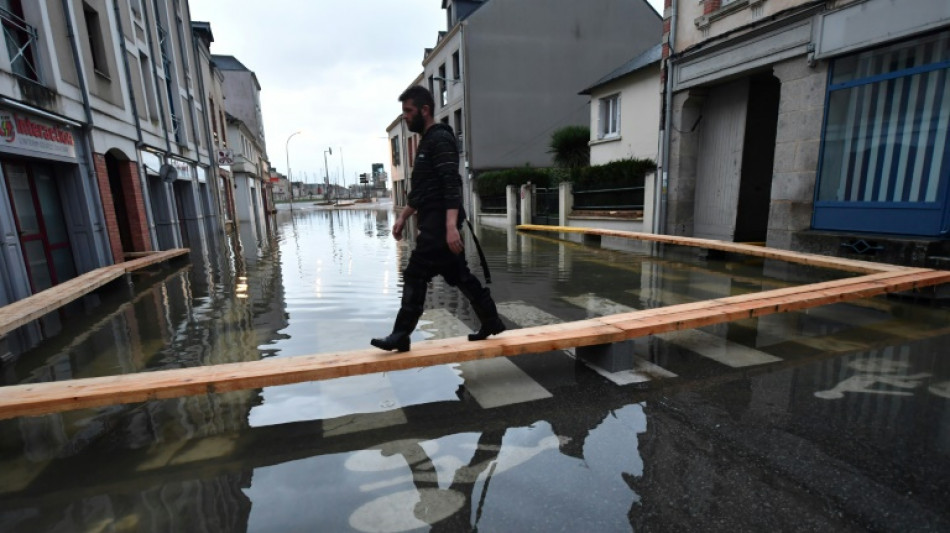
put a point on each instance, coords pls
(24, 311)
(41, 398)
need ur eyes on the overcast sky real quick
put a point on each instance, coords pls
(332, 70)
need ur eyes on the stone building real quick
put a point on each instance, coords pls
(808, 125)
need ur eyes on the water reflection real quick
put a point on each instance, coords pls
(536, 443)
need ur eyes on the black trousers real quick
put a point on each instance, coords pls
(432, 257)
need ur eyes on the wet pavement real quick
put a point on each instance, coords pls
(832, 419)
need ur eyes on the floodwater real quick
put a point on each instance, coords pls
(836, 418)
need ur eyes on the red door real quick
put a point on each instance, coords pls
(41, 224)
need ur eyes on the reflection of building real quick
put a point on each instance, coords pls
(205, 315)
(104, 150)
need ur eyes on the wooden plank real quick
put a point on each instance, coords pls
(839, 263)
(24, 311)
(41, 398)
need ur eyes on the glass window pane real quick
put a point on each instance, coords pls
(19, 184)
(63, 264)
(886, 141)
(37, 265)
(53, 217)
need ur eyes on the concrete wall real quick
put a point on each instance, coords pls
(699, 21)
(243, 100)
(526, 60)
(797, 145)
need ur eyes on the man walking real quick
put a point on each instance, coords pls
(436, 197)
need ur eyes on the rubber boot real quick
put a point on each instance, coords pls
(487, 313)
(413, 303)
(399, 339)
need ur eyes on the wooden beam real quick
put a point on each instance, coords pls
(42, 398)
(838, 263)
(24, 311)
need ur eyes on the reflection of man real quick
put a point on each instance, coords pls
(436, 196)
(449, 509)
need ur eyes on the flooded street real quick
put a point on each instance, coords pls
(835, 418)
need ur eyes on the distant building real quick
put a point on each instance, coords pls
(505, 75)
(625, 110)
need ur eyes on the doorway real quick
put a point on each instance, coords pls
(758, 158)
(41, 223)
(119, 202)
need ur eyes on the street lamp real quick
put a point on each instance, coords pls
(327, 169)
(290, 176)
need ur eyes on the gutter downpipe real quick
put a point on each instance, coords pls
(667, 124)
(101, 254)
(467, 125)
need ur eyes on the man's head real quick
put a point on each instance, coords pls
(417, 105)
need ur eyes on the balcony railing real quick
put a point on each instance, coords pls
(21, 40)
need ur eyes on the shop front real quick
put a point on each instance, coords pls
(47, 210)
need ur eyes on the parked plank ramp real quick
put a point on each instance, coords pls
(24, 311)
(42, 398)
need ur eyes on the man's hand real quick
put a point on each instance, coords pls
(401, 222)
(454, 240)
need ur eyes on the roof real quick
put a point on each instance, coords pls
(228, 63)
(231, 63)
(650, 57)
(200, 26)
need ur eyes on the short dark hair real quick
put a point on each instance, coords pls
(420, 96)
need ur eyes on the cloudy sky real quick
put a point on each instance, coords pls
(330, 69)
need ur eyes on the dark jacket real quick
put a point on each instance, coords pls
(436, 184)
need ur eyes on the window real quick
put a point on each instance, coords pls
(136, 6)
(394, 145)
(884, 161)
(443, 86)
(609, 117)
(432, 86)
(456, 66)
(21, 39)
(94, 36)
(151, 104)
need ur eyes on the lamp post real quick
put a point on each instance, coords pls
(327, 170)
(290, 176)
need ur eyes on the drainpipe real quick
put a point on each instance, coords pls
(87, 130)
(128, 74)
(466, 104)
(667, 124)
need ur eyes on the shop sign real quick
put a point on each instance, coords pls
(33, 136)
(185, 170)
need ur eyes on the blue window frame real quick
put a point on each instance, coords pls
(885, 156)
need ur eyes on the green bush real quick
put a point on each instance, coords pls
(494, 182)
(571, 147)
(623, 173)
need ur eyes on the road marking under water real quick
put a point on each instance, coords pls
(491, 382)
(697, 341)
